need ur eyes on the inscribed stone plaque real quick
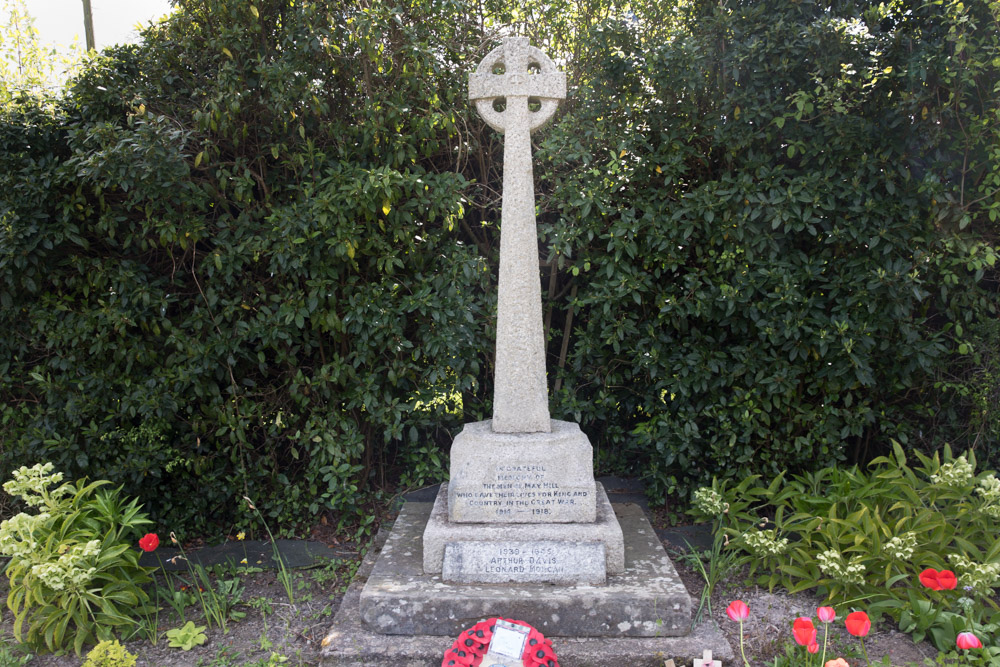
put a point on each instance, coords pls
(526, 562)
(522, 477)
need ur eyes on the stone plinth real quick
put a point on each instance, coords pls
(440, 531)
(522, 477)
(350, 642)
(646, 600)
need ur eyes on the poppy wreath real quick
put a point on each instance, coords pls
(471, 646)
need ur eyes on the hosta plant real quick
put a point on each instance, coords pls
(187, 636)
(74, 578)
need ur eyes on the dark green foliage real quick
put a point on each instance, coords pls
(256, 254)
(231, 261)
(750, 215)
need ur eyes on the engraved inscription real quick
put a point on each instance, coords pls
(541, 561)
(522, 489)
(530, 560)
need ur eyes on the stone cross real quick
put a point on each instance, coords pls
(512, 73)
(706, 661)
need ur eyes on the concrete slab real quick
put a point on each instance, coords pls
(646, 600)
(351, 643)
(440, 531)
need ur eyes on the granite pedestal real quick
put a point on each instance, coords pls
(432, 612)
(646, 599)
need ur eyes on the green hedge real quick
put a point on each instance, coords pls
(256, 254)
(779, 226)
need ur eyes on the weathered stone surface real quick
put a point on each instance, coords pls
(522, 477)
(351, 643)
(520, 394)
(528, 72)
(439, 531)
(646, 600)
(546, 562)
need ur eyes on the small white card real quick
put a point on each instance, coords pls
(508, 640)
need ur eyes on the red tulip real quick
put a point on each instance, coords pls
(858, 623)
(947, 580)
(813, 648)
(804, 631)
(826, 614)
(944, 580)
(967, 640)
(929, 578)
(149, 542)
(738, 611)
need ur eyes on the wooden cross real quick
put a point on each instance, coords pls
(706, 661)
(513, 73)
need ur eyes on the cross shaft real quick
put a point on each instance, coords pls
(520, 395)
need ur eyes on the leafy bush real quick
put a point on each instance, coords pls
(248, 258)
(749, 222)
(74, 578)
(254, 254)
(866, 535)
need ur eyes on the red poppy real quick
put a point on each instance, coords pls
(858, 623)
(826, 614)
(471, 646)
(456, 657)
(967, 640)
(804, 631)
(738, 611)
(149, 542)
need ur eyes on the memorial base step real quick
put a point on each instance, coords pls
(647, 599)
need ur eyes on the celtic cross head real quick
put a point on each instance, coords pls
(516, 72)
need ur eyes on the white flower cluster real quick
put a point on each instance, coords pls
(73, 570)
(31, 484)
(902, 546)
(709, 501)
(954, 473)
(765, 542)
(17, 534)
(989, 490)
(831, 563)
(981, 578)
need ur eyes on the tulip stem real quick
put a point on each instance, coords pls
(865, 649)
(742, 654)
(826, 632)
